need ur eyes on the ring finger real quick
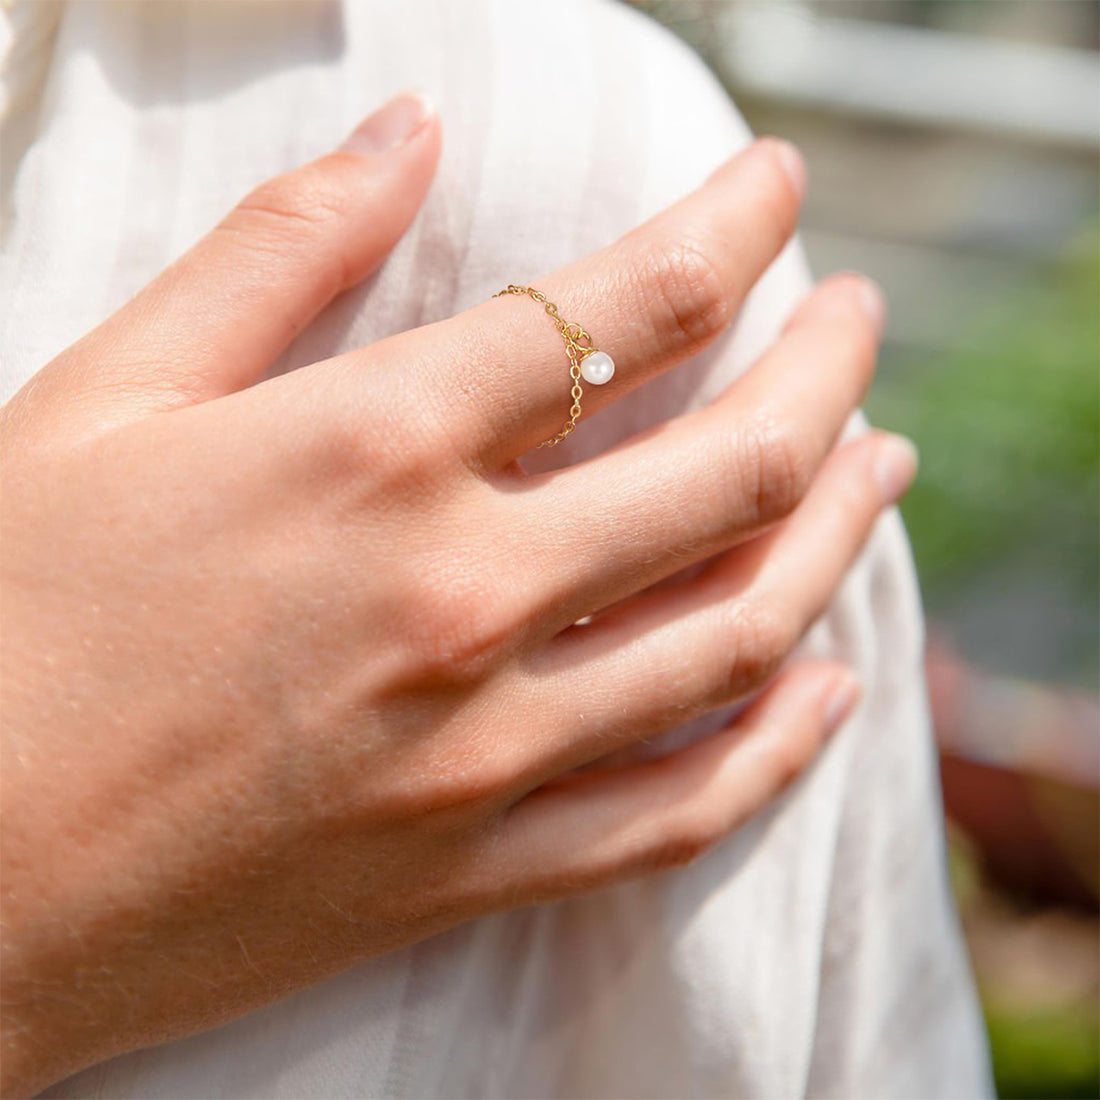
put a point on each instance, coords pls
(671, 654)
(700, 483)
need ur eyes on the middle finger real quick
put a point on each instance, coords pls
(707, 480)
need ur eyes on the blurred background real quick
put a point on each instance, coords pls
(952, 148)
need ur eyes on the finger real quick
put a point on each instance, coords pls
(680, 651)
(215, 320)
(704, 481)
(497, 374)
(598, 827)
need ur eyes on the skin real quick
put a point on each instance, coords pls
(291, 671)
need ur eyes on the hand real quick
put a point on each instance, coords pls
(292, 674)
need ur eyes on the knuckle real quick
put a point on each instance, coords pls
(763, 639)
(375, 440)
(473, 784)
(294, 202)
(787, 758)
(289, 213)
(374, 446)
(683, 841)
(467, 628)
(685, 292)
(777, 469)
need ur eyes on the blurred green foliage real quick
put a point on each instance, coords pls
(1045, 1055)
(1008, 426)
(1009, 433)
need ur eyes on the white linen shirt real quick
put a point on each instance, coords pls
(816, 952)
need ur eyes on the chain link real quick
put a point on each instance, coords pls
(573, 335)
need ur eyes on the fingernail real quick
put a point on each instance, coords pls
(390, 126)
(841, 698)
(895, 467)
(792, 162)
(873, 301)
(854, 286)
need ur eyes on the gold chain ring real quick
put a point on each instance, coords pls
(597, 368)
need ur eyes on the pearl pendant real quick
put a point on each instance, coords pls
(597, 368)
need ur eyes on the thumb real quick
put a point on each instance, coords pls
(216, 319)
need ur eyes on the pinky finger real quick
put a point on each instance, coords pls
(594, 828)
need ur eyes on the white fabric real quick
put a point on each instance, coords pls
(816, 952)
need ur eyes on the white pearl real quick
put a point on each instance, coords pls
(597, 368)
